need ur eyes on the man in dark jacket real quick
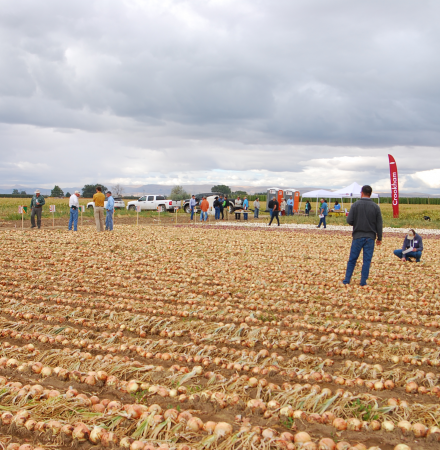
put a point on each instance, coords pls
(412, 247)
(274, 207)
(221, 201)
(216, 206)
(37, 204)
(366, 218)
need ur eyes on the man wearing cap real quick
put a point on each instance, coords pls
(74, 206)
(110, 209)
(99, 199)
(37, 203)
(192, 205)
(412, 247)
(216, 205)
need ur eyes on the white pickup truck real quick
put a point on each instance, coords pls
(119, 204)
(151, 202)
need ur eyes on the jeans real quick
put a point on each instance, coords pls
(256, 211)
(192, 212)
(203, 216)
(217, 213)
(245, 216)
(290, 210)
(322, 220)
(36, 212)
(109, 220)
(221, 212)
(307, 212)
(272, 215)
(416, 255)
(367, 244)
(73, 219)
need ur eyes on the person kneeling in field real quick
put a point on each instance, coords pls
(412, 247)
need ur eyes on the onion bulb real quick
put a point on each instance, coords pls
(96, 435)
(387, 425)
(81, 432)
(340, 424)
(223, 429)
(302, 437)
(419, 430)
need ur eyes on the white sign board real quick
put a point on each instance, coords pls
(20, 210)
(138, 208)
(176, 208)
(52, 208)
(82, 208)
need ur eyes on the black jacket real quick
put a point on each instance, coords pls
(273, 204)
(366, 218)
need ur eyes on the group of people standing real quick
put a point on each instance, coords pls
(220, 203)
(103, 223)
(99, 199)
(100, 206)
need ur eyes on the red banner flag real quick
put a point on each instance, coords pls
(394, 186)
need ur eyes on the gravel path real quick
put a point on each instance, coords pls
(422, 231)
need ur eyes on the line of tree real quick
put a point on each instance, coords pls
(89, 190)
(225, 190)
(57, 192)
(15, 192)
(178, 194)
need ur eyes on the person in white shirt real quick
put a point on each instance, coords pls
(74, 206)
(256, 208)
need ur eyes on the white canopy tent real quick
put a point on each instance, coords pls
(320, 193)
(352, 191)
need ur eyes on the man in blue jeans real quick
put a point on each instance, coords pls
(192, 205)
(74, 206)
(110, 210)
(290, 206)
(323, 211)
(366, 218)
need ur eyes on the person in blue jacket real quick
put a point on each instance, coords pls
(192, 205)
(412, 247)
(245, 206)
(323, 211)
(290, 206)
(110, 208)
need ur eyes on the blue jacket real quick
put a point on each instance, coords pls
(192, 202)
(290, 201)
(416, 243)
(245, 204)
(324, 208)
(110, 203)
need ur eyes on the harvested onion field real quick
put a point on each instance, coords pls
(198, 337)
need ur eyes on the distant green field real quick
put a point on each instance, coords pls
(411, 216)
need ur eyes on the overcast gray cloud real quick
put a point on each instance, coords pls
(249, 92)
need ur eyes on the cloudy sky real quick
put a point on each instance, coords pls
(240, 92)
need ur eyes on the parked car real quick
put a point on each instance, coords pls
(199, 197)
(119, 204)
(151, 202)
